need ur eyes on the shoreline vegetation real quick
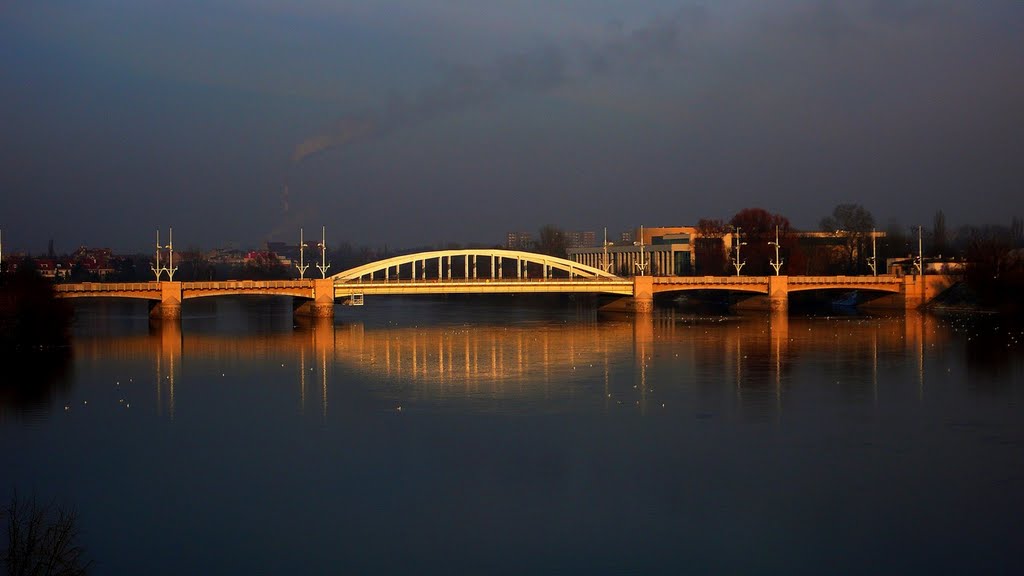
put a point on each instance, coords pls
(32, 318)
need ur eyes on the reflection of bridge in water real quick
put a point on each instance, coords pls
(611, 362)
(475, 271)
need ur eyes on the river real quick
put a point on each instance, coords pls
(474, 437)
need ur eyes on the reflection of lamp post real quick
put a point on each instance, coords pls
(872, 260)
(736, 260)
(301, 265)
(323, 266)
(778, 261)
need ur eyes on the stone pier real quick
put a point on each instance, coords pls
(322, 304)
(169, 305)
(641, 302)
(778, 293)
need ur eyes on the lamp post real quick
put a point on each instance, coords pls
(301, 265)
(919, 261)
(872, 260)
(323, 266)
(171, 268)
(642, 264)
(604, 260)
(156, 267)
(777, 263)
(736, 259)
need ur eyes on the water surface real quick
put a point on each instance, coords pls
(433, 437)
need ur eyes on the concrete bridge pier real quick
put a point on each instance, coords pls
(778, 293)
(641, 302)
(169, 305)
(322, 304)
(643, 294)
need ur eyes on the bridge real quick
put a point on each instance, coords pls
(483, 271)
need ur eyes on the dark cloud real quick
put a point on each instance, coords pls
(419, 122)
(544, 67)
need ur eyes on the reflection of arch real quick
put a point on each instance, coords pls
(484, 362)
(549, 264)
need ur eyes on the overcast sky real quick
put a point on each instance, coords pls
(409, 123)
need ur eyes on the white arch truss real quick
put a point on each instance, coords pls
(446, 259)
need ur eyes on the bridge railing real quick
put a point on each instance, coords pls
(108, 287)
(704, 280)
(845, 280)
(245, 284)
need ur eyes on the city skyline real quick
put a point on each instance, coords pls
(417, 124)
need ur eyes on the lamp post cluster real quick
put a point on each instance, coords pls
(322, 245)
(170, 269)
(778, 261)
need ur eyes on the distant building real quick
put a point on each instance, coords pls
(580, 239)
(285, 253)
(96, 261)
(518, 240)
(229, 256)
(660, 252)
(52, 268)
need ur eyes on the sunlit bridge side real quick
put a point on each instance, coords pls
(477, 271)
(476, 263)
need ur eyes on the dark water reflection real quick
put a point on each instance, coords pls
(423, 437)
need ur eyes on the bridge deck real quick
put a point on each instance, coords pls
(304, 288)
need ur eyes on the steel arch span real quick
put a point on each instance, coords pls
(468, 258)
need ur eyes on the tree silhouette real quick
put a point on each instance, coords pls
(31, 315)
(855, 224)
(552, 241)
(42, 540)
(709, 250)
(757, 228)
(940, 241)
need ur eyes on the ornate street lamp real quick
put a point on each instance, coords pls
(323, 266)
(777, 263)
(736, 260)
(301, 265)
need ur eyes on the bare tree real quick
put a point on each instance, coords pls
(708, 247)
(552, 241)
(42, 539)
(855, 223)
(939, 239)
